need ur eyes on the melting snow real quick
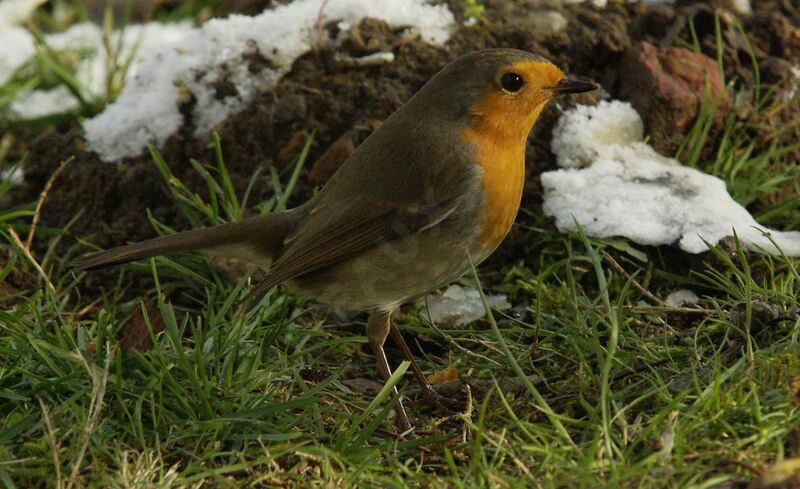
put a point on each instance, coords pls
(17, 48)
(681, 297)
(614, 184)
(251, 53)
(87, 40)
(176, 61)
(14, 176)
(13, 12)
(459, 306)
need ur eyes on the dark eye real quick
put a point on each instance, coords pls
(511, 82)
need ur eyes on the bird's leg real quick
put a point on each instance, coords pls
(424, 386)
(377, 330)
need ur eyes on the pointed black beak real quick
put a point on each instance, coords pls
(568, 86)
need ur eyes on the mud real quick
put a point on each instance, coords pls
(333, 99)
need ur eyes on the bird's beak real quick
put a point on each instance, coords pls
(569, 85)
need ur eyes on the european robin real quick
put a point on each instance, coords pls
(432, 191)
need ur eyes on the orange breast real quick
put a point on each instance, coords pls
(503, 163)
(498, 131)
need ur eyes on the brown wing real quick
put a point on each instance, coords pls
(410, 174)
(336, 234)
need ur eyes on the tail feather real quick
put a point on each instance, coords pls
(256, 239)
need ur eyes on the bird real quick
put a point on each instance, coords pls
(427, 196)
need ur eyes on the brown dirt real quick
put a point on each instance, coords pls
(334, 99)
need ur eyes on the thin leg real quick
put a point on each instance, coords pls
(377, 331)
(424, 386)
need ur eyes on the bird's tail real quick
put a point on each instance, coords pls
(257, 240)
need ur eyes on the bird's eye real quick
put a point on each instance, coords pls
(511, 82)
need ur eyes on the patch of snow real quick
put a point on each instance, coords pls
(247, 53)
(17, 47)
(459, 306)
(85, 39)
(14, 12)
(614, 184)
(793, 85)
(12, 175)
(584, 133)
(681, 297)
(471, 22)
(41, 103)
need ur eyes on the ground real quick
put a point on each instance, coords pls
(593, 378)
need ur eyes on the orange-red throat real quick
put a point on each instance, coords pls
(501, 122)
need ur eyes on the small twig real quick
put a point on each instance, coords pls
(466, 415)
(667, 310)
(659, 310)
(452, 388)
(616, 266)
(452, 342)
(52, 442)
(318, 24)
(304, 88)
(27, 253)
(747, 466)
(42, 196)
(87, 309)
(374, 59)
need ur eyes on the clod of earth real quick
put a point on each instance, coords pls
(330, 161)
(667, 87)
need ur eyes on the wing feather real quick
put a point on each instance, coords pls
(316, 247)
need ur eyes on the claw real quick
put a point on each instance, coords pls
(428, 392)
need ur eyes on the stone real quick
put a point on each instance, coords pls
(290, 108)
(542, 24)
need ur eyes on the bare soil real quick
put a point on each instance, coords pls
(334, 99)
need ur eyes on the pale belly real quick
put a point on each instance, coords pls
(393, 273)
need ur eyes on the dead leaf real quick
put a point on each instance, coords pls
(445, 375)
(794, 388)
(135, 334)
(781, 475)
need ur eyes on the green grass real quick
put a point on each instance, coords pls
(623, 394)
(593, 380)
